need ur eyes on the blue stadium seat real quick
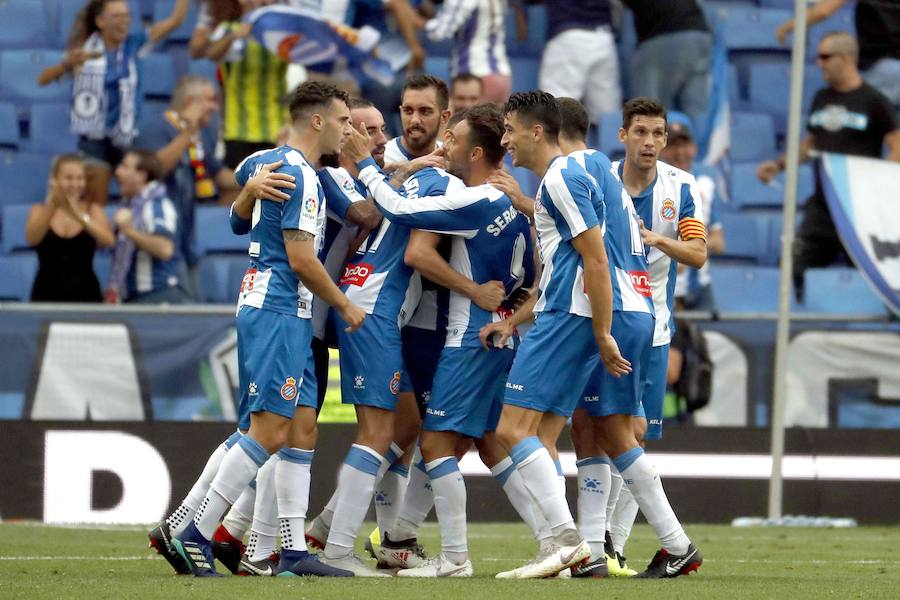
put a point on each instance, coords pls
(205, 68)
(749, 28)
(214, 232)
(770, 87)
(17, 276)
(439, 66)
(13, 228)
(752, 137)
(26, 24)
(609, 125)
(163, 8)
(524, 73)
(146, 8)
(745, 288)
(49, 129)
(158, 78)
(746, 236)
(747, 191)
(534, 43)
(840, 290)
(843, 20)
(103, 266)
(221, 276)
(18, 77)
(19, 189)
(9, 125)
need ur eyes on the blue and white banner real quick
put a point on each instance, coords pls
(301, 37)
(715, 134)
(863, 197)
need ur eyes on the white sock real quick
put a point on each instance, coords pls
(391, 488)
(450, 507)
(623, 519)
(642, 480)
(355, 486)
(237, 470)
(264, 529)
(593, 487)
(237, 519)
(539, 475)
(184, 514)
(615, 488)
(327, 514)
(292, 474)
(416, 505)
(511, 481)
(560, 476)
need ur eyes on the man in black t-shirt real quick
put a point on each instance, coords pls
(847, 117)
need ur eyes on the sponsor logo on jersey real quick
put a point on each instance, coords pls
(667, 211)
(395, 383)
(249, 278)
(640, 281)
(356, 274)
(289, 389)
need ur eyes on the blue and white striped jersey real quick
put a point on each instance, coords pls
(491, 241)
(624, 246)
(566, 206)
(477, 27)
(670, 206)
(377, 279)
(395, 152)
(148, 274)
(341, 191)
(270, 283)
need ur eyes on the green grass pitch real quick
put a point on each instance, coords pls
(38, 561)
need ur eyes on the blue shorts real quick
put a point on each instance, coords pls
(371, 362)
(553, 364)
(468, 390)
(654, 396)
(606, 395)
(273, 355)
(422, 350)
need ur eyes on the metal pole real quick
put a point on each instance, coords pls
(798, 52)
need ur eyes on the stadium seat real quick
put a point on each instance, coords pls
(524, 73)
(26, 24)
(746, 236)
(840, 290)
(749, 28)
(221, 276)
(747, 191)
(103, 266)
(23, 190)
(17, 276)
(163, 8)
(205, 68)
(745, 288)
(752, 137)
(770, 87)
(214, 232)
(534, 43)
(609, 125)
(18, 77)
(158, 78)
(439, 66)
(49, 129)
(13, 228)
(146, 8)
(842, 20)
(9, 125)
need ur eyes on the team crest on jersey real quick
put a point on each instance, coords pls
(640, 281)
(310, 205)
(667, 210)
(395, 383)
(356, 274)
(289, 389)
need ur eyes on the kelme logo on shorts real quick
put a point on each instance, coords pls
(289, 389)
(356, 274)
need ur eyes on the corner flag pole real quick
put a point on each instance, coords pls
(779, 398)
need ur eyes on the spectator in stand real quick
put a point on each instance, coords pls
(673, 57)
(185, 144)
(692, 288)
(847, 117)
(147, 264)
(104, 59)
(66, 231)
(465, 92)
(878, 35)
(580, 59)
(479, 48)
(253, 80)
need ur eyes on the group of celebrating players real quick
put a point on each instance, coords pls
(421, 259)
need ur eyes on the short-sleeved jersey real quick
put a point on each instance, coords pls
(341, 191)
(491, 241)
(670, 206)
(149, 274)
(270, 283)
(565, 206)
(624, 247)
(395, 152)
(377, 279)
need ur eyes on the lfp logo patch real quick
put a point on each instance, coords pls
(667, 210)
(289, 389)
(395, 383)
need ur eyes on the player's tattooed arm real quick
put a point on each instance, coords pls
(406, 170)
(296, 235)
